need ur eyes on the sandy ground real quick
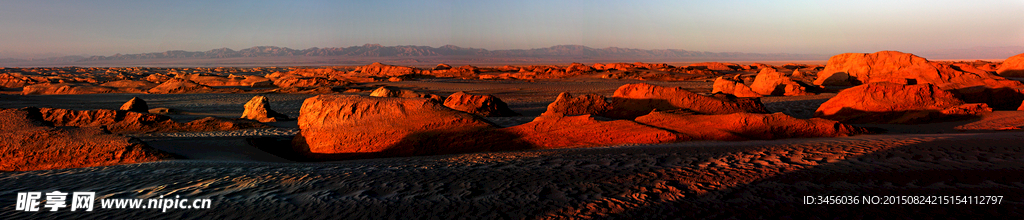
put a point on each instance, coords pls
(716, 180)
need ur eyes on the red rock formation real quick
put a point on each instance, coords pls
(258, 108)
(308, 82)
(555, 131)
(64, 89)
(384, 91)
(731, 87)
(632, 100)
(577, 69)
(176, 85)
(970, 84)
(340, 124)
(1012, 67)
(130, 86)
(716, 66)
(483, 105)
(28, 143)
(771, 82)
(383, 70)
(135, 105)
(903, 68)
(746, 126)
(893, 103)
(14, 80)
(118, 121)
(587, 104)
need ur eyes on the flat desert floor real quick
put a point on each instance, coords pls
(711, 180)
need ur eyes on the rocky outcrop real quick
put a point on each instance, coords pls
(482, 105)
(308, 82)
(177, 85)
(118, 121)
(258, 108)
(1012, 67)
(135, 105)
(383, 70)
(772, 82)
(968, 83)
(895, 103)
(342, 124)
(903, 68)
(746, 126)
(716, 66)
(130, 86)
(556, 131)
(586, 104)
(731, 87)
(384, 91)
(64, 89)
(27, 142)
(632, 100)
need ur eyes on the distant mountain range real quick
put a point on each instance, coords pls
(375, 50)
(451, 53)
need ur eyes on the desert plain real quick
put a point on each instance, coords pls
(713, 140)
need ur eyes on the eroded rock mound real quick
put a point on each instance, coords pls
(735, 88)
(135, 105)
(483, 105)
(586, 104)
(343, 124)
(895, 103)
(131, 86)
(383, 70)
(632, 100)
(903, 68)
(258, 108)
(118, 121)
(772, 82)
(556, 131)
(64, 89)
(746, 126)
(27, 142)
(384, 91)
(1012, 67)
(177, 85)
(716, 66)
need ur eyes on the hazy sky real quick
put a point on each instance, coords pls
(105, 27)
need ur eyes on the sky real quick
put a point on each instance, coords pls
(106, 27)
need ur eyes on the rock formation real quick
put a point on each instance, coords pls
(745, 126)
(384, 91)
(64, 89)
(383, 70)
(258, 108)
(177, 85)
(586, 104)
(29, 143)
(716, 66)
(903, 68)
(895, 103)
(555, 131)
(483, 105)
(343, 124)
(772, 82)
(130, 86)
(135, 105)
(1012, 67)
(632, 100)
(735, 88)
(118, 121)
